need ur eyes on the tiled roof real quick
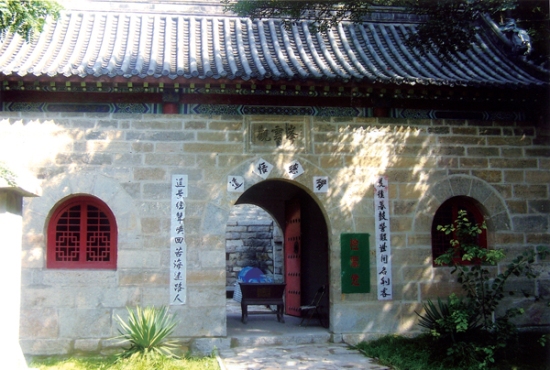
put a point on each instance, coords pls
(138, 46)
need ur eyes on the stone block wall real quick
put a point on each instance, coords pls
(252, 239)
(127, 161)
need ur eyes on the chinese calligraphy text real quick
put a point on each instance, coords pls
(382, 238)
(178, 248)
(355, 263)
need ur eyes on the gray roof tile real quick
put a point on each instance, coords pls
(139, 45)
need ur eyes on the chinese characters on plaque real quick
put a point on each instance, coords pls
(262, 168)
(383, 237)
(178, 248)
(235, 184)
(355, 264)
(320, 184)
(294, 169)
(277, 134)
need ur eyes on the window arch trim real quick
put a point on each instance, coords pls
(82, 234)
(446, 214)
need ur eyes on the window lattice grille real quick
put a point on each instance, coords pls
(67, 246)
(98, 236)
(82, 234)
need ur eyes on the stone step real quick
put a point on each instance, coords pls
(263, 330)
(279, 340)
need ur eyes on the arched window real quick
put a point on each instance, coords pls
(82, 234)
(446, 215)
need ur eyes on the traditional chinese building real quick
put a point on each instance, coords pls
(146, 123)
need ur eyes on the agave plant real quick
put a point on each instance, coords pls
(434, 315)
(449, 318)
(147, 331)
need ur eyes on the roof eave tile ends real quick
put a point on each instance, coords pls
(172, 46)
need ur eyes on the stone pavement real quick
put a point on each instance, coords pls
(319, 356)
(263, 343)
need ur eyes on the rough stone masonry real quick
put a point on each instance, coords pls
(127, 161)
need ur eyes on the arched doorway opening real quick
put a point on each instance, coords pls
(305, 247)
(252, 239)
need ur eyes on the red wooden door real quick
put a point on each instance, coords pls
(293, 251)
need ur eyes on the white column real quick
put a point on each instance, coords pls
(11, 224)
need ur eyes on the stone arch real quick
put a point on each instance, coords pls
(216, 212)
(493, 205)
(108, 190)
(218, 207)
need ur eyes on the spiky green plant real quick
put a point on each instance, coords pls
(470, 328)
(147, 331)
(449, 318)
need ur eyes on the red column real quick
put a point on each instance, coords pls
(170, 108)
(381, 112)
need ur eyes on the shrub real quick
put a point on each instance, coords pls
(147, 331)
(425, 352)
(449, 319)
(468, 328)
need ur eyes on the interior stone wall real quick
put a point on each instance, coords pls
(253, 239)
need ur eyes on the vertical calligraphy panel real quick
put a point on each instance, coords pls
(383, 238)
(178, 248)
(355, 263)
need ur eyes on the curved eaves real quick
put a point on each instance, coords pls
(179, 46)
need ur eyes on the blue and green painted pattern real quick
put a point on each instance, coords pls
(224, 109)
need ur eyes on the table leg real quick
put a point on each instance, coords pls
(244, 313)
(280, 313)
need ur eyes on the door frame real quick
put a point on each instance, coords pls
(271, 195)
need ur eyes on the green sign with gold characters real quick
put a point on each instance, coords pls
(355, 262)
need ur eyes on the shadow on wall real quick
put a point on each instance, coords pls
(253, 239)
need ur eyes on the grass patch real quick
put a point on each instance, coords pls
(400, 352)
(421, 353)
(111, 363)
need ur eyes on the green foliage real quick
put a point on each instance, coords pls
(80, 363)
(543, 339)
(455, 326)
(7, 175)
(147, 331)
(451, 25)
(425, 352)
(534, 16)
(448, 319)
(483, 292)
(136, 362)
(469, 329)
(115, 363)
(401, 353)
(26, 17)
(323, 14)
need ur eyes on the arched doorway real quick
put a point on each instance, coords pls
(307, 246)
(252, 239)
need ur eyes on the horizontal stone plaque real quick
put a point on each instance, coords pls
(277, 136)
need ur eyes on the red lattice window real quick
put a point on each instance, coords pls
(82, 233)
(445, 215)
